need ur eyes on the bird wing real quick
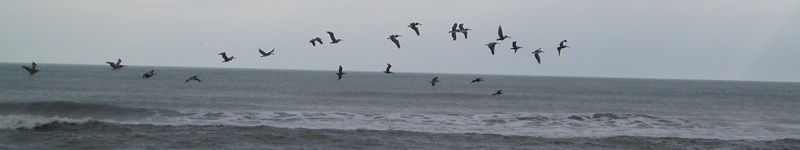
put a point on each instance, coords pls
(389, 66)
(271, 52)
(26, 68)
(119, 61)
(340, 69)
(539, 60)
(514, 44)
(33, 66)
(396, 42)
(454, 35)
(113, 65)
(461, 27)
(262, 52)
(455, 25)
(313, 42)
(224, 55)
(319, 40)
(333, 38)
(416, 30)
(500, 31)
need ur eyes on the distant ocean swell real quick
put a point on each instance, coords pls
(64, 133)
(29, 116)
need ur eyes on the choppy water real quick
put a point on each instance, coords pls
(92, 107)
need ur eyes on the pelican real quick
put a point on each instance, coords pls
(498, 93)
(491, 46)
(389, 66)
(536, 53)
(32, 70)
(333, 39)
(116, 66)
(340, 73)
(477, 80)
(192, 78)
(265, 54)
(393, 37)
(225, 57)
(148, 74)
(413, 26)
(314, 40)
(561, 46)
(434, 81)
(500, 33)
(453, 31)
(463, 30)
(515, 47)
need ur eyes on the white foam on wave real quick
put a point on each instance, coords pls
(517, 124)
(32, 121)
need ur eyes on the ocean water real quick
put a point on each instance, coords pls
(92, 107)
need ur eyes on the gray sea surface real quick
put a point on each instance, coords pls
(93, 107)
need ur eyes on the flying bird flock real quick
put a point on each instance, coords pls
(454, 30)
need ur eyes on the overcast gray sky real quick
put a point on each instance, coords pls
(707, 39)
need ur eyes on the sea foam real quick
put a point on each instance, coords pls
(31, 121)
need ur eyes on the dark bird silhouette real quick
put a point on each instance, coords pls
(491, 46)
(340, 73)
(434, 81)
(333, 38)
(265, 54)
(192, 78)
(477, 80)
(561, 46)
(498, 93)
(148, 74)
(116, 66)
(32, 70)
(536, 54)
(414, 27)
(463, 30)
(515, 47)
(388, 67)
(225, 57)
(315, 40)
(393, 37)
(500, 33)
(453, 31)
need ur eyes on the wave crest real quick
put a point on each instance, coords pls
(29, 122)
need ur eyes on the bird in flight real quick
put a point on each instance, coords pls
(225, 57)
(192, 78)
(340, 73)
(31, 70)
(463, 30)
(536, 54)
(561, 46)
(498, 93)
(477, 80)
(333, 38)
(315, 40)
(500, 33)
(434, 81)
(453, 31)
(265, 54)
(388, 67)
(491, 46)
(515, 47)
(393, 37)
(414, 27)
(148, 74)
(116, 66)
